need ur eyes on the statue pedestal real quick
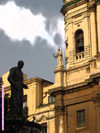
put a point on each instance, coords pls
(59, 76)
(18, 125)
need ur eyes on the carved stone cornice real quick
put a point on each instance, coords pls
(70, 5)
(36, 79)
(77, 13)
(95, 76)
(90, 82)
(78, 100)
(56, 90)
(78, 67)
(45, 118)
(31, 80)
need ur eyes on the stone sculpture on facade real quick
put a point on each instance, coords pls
(59, 57)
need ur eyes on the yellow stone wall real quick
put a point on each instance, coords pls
(5, 81)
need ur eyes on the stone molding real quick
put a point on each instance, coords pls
(94, 79)
(59, 69)
(78, 67)
(36, 79)
(58, 90)
(45, 117)
(76, 13)
(31, 80)
(81, 99)
(76, 3)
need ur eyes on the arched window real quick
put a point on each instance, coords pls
(79, 41)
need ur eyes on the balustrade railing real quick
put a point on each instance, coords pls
(82, 55)
(79, 56)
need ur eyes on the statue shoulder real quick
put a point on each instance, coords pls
(12, 74)
(13, 69)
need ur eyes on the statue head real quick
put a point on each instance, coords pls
(58, 49)
(20, 64)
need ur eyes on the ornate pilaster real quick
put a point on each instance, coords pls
(59, 112)
(59, 121)
(92, 9)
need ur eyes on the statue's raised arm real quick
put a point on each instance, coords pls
(55, 56)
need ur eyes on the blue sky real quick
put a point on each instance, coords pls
(31, 30)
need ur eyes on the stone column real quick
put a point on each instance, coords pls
(93, 31)
(97, 108)
(98, 24)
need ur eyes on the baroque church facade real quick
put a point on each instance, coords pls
(77, 94)
(72, 103)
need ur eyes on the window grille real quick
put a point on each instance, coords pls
(81, 118)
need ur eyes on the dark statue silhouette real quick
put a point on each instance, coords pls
(16, 80)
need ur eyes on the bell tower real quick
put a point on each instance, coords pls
(77, 87)
(82, 39)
